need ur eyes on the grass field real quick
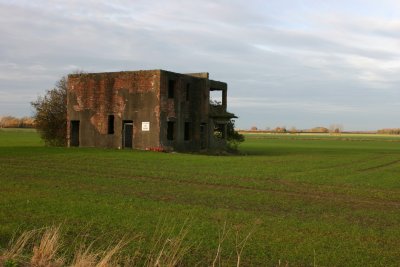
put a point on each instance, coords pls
(307, 200)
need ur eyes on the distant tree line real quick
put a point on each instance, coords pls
(333, 129)
(389, 131)
(14, 122)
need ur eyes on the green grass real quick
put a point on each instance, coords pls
(335, 199)
(10, 137)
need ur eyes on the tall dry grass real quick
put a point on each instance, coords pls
(16, 248)
(46, 252)
(45, 248)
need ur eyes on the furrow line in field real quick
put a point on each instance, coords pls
(380, 166)
(351, 163)
(301, 194)
(299, 190)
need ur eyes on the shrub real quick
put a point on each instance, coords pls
(233, 138)
(51, 114)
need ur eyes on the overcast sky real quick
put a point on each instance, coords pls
(287, 63)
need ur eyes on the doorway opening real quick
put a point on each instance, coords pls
(74, 133)
(127, 134)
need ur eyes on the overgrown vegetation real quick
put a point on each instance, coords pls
(233, 137)
(51, 114)
(330, 199)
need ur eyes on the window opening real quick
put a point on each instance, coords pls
(171, 89)
(187, 92)
(219, 131)
(170, 130)
(110, 124)
(215, 97)
(203, 135)
(187, 133)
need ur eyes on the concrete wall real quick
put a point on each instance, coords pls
(129, 96)
(143, 96)
(180, 109)
(195, 110)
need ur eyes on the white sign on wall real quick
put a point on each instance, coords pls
(145, 126)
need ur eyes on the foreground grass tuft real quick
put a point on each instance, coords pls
(44, 248)
(16, 249)
(45, 253)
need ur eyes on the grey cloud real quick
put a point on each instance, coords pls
(257, 47)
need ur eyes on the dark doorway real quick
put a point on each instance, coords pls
(203, 135)
(74, 134)
(127, 134)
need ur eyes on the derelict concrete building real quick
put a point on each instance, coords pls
(151, 109)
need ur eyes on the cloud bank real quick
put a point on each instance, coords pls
(304, 64)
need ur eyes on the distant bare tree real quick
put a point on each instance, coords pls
(293, 130)
(280, 129)
(27, 122)
(336, 128)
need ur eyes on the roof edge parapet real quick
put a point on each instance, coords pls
(199, 74)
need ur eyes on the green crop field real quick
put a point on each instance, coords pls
(306, 200)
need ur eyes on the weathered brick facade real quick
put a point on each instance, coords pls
(152, 109)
